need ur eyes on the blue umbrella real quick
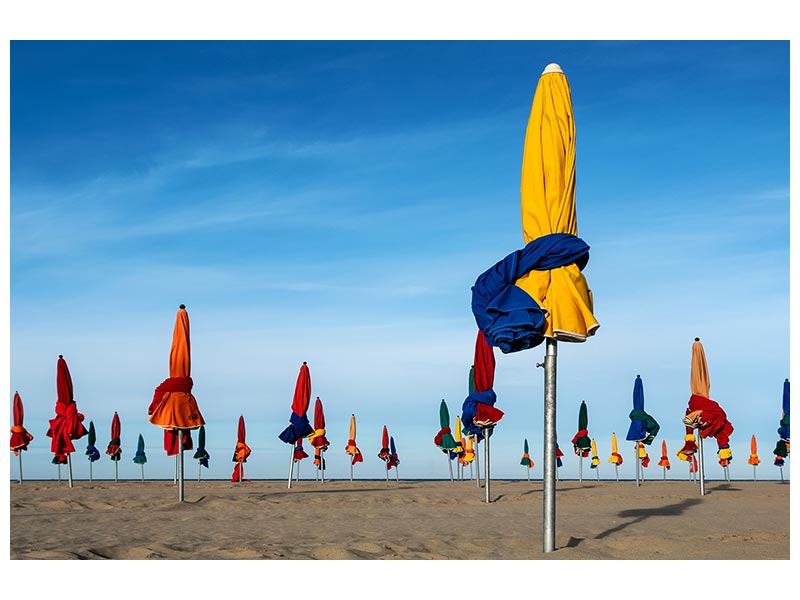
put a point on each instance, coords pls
(643, 427)
(140, 458)
(91, 451)
(393, 459)
(782, 447)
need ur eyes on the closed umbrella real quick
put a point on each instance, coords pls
(114, 450)
(444, 438)
(558, 455)
(20, 438)
(318, 439)
(201, 455)
(393, 461)
(91, 450)
(782, 447)
(241, 452)
(173, 407)
(643, 428)
(478, 413)
(526, 459)
(705, 414)
(753, 458)
(140, 458)
(68, 422)
(385, 453)
(689, 450)
(595, 459)
(581, 443)
(299, 427)
(664, 462)
(616, 457)
(458, 450)
(351, 449)
(469, 453)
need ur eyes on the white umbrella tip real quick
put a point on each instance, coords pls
(552, 68)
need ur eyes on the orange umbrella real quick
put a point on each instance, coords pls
(68, 422)
(20, 438)
(753, 460)
(173, 407)
(241, 453)
(664, 462)
(351, 449)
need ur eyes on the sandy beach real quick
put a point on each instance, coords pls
(411, 520)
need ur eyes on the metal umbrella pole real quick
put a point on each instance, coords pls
(616, 470)
(199, 469)
(580, 469)
(142, 465)
(90, 471)
(478, 467)
(322, 464)
(175, 476)
(20, 466)
(180, 465)
(291, 465)
(549, 458)
(116, 471)
(636, 461)
(486, 467)
(449, 464)
(69, 469)
(59, 472)
(700, 464)
(351, 470)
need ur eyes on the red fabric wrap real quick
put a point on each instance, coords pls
(485, 414)
(437, 439)
(357, 458)
(67, 426)
(718, 425)
(171, 384)
(171, 439)
(484, 365)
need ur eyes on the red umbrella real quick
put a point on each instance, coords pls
(68, 422)
(241, 453)
(114, 450)
(20, 438)
(318, 439)
(385, 454)
(173, 407)
(299, 427)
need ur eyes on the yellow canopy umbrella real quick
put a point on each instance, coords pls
(595, 459)
(616, 457)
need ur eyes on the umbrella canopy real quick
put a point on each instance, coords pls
(643, 456)
(616, 457)
(114, 449)
(469, 450)
(351, 449)
(20, 438)
(703, 413)
(458, 450)
(91, 451)
(299, 427)
(201, 454)
(140, 458)
(559, 454)
(581, 442)
(241, 452)
(664, 462)
(595, 458)
(68, 422)
(317, 438)
(173, 407)
(526, 458)
(444, 439)
(385, 453)
(478, 411)
(782, 447)
(393, 460)
(643, 427)
(540, 291)
(753, 459)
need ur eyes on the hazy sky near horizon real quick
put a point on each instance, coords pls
(333, 202)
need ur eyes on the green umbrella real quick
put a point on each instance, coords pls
(201, 455)
(444, 439)
(526, 460)
(581, 443)
(140, 457)
(91, 451)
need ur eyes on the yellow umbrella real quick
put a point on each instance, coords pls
(458, 450)
(616, 457)
(595, 459)
(351, 449)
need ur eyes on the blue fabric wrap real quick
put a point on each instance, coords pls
(470, 407)
(299, 427)
(140, 457)
(636, 432)
(93, 453)
(509, 318)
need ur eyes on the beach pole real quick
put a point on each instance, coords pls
(180, 465)
(754, 474)
(199, 469)
(322, 464)
(351, 470)
(142, 465)
(616, 469)
(549, 455)
(597, 470)
(700, 464)
(90, 471)
(486, 468)
(291, 465)
(478, 467)
(116, 471)
(175, 476)
(528, 473)
(387, 473)
(636, 461)
(20, 465)
(297, 475)
(665, 472)
(59, 472)
(580, 469)
(397, 474)
(69, 469)
(781, 468)
(449, 464)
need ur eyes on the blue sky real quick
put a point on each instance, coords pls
(333, 202)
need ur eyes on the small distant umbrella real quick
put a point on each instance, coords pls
(140, 458)
(299, 427)
(351, 449)
(114, 450)
(595, 459)
(458, 450)
(526, 459)
(559, 462)
(68, 422)
(318, 439)
(173, 407)
(581, 443)
(200, 455)
(20, 438)
(782, 447)
(643, 457)
(469, 453)
(444, 439)
(241, 453)
(616, 457)
(664, 462)
(385, 452)
(753, 458)
(91, 451)
(643, 428)
(393, 459)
